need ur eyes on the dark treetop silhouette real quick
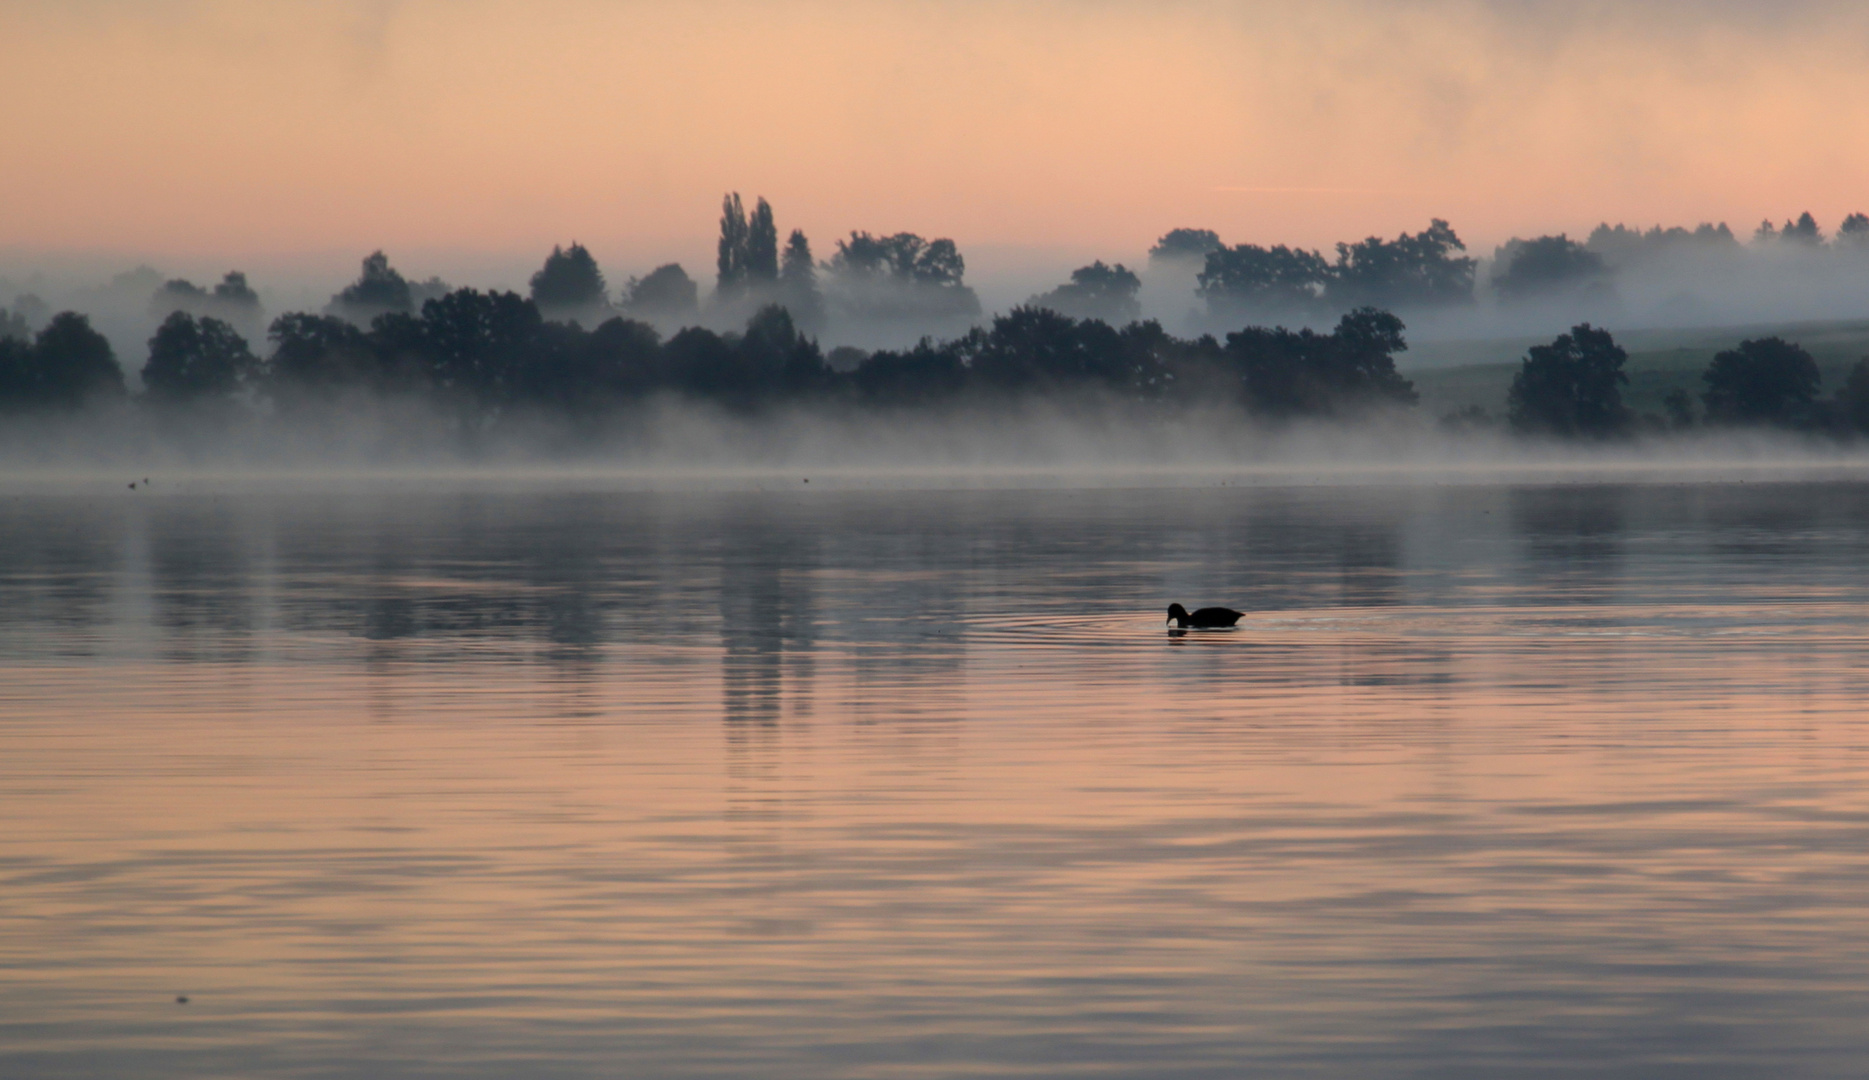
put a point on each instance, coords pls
(489, 356)
(1572, 386)
(570, 283)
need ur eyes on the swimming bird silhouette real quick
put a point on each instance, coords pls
(1207, 616)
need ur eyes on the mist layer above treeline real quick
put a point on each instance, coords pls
(876, 289)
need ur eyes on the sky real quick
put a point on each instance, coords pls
(321, 129)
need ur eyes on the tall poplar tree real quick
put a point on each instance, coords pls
(762, 246)
(731, 258)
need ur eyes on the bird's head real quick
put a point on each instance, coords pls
(1176, 611)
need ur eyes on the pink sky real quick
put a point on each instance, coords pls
(240, 129)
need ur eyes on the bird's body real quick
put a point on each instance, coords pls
(1204, 617)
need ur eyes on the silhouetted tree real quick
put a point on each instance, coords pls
(232, 301)
(67, 365)
(177, 294)
(1766, 233)
(421, 292)
(798, 284)
(1802, 231)
(1096, 292)
(769, 360)
(1854, 232)
(399, 345)
(1526, 269)
(775, 359)
(1149, 360)
(747, 256)
(904, 257)
(1303, 373)
(1623, 246)
(196, 360)
(762, 246)
(234, 293)
(927, 374)
(569, 283)
(1185, 245)
(322, 353)
(1767, 381)
(17, 374)
(378, 289)
(624, 359)
(1409, 271)
(902, 275)
(13, 326)
(666, 295)
(1031, 348)
(1257, 280)
(1853, 398)
(1572, 386)
(730, 251)
(485, 344)
(552, 366)
(699, 362)
(1162, 365)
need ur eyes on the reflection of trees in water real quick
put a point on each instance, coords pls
(1778, 519)
(453, 569)
(204, 579)
(1574, 537)
(1395, 663)
(897, 613)
(767, 638)
(1321, 548)
(59, 565)
(767, 620)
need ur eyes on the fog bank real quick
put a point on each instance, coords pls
(669, 443)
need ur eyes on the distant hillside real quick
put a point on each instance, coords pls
(1451, 375)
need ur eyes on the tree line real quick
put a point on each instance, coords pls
(905, 279)
(491, 353)
(488, 355)
(1573, 388)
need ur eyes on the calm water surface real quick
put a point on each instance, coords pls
(1491, 781)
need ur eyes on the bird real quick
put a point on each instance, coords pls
(1207, 616)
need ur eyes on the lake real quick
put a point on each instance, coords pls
(578, 779)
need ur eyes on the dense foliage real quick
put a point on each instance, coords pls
(1410, 272)
(1572, 386)
(572, 348)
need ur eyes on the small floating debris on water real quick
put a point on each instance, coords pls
(181, 999)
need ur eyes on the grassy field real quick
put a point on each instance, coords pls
(1454, 374)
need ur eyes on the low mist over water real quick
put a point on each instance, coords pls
(855, 540)
(557, 779)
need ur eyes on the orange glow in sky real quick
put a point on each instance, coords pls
(234, 127)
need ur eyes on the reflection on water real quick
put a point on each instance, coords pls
(1542, 781)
